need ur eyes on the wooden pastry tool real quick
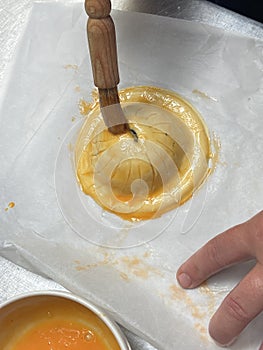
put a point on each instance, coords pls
(103, 54)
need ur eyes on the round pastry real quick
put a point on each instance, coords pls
(143, 178)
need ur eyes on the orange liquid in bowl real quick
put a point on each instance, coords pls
(60, 335)
(53, 323)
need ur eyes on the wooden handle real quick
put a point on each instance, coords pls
(103, 52)
(102, 44)
(98, 8)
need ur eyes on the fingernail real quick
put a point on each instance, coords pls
(227, 344)
(184, 280)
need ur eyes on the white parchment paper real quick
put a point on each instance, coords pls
(39, 108)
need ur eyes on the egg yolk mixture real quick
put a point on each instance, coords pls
(144, 178)
(53, 323)
(60, 335)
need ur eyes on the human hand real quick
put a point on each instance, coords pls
(245, 301)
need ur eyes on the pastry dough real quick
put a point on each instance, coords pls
(144, 179)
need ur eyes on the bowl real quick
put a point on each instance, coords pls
(59, 321)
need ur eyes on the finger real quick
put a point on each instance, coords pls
(239, 307)
(261, 347)
(223, 250)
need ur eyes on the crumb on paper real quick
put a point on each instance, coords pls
(71, 66)
(124, 276)
(85, 267)
(139, 268)
(177, 293)
(73, 119)
(10, 206)
(211, 302)
(126, 266)
(81, 268)
(77, 88)
(84, 107)
(147, 254)
(201, 330)
(204, 95)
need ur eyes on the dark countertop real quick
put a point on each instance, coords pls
(195, 10)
